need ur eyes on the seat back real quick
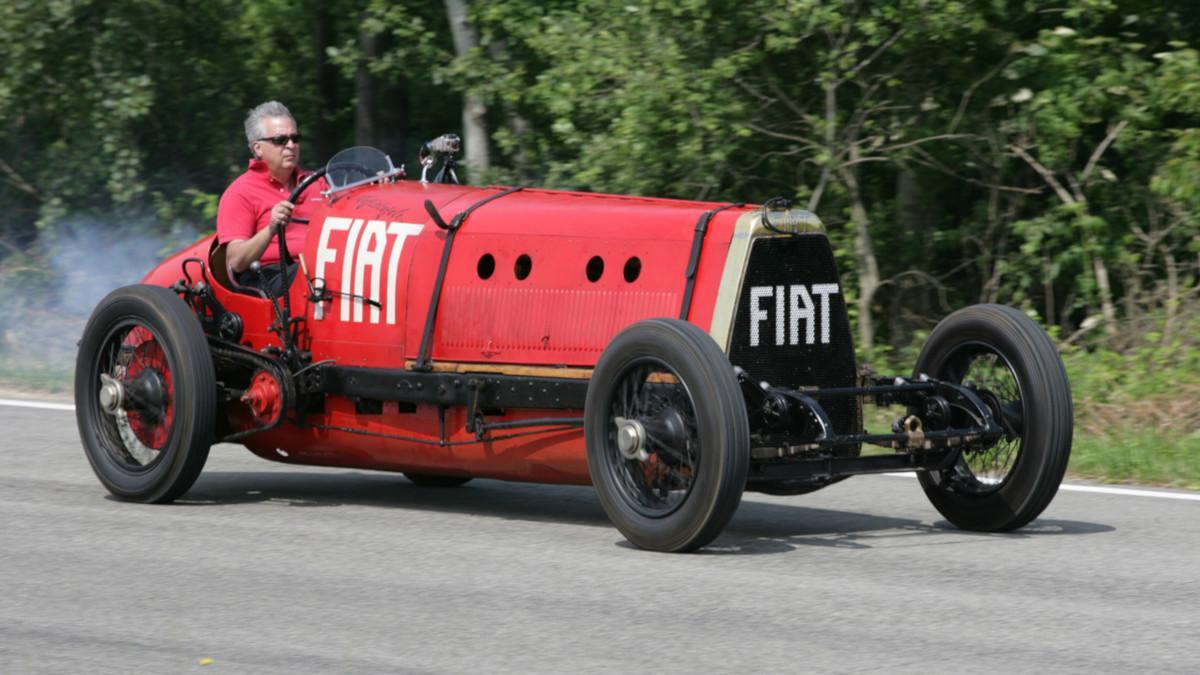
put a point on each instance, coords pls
(218, 266)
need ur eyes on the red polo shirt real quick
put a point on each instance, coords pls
(245, 208)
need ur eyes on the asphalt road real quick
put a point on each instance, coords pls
(268, 568)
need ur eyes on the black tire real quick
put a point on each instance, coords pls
(1015, 367)
(151, 448)
(672, 380)
(435, 480)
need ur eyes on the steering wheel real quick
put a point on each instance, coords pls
(285, 258)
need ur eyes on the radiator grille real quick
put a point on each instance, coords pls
(791, 327)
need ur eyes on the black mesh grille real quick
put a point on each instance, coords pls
(791, 327)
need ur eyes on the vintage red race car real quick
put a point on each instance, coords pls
(671, 353)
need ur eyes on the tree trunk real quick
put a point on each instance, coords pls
(991, 248)
(864, 252)
(814, 199)
(518, 126)
(364, 89)
(1107, 309)
(914, 217)
(476, 155)
(1048, 289)
(910, 208)
(1172, 293)
(1134, 292)
(324, 131)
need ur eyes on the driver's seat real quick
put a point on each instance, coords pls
(218, 265)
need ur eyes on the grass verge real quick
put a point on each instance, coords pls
(37, 377)
(1145, 456)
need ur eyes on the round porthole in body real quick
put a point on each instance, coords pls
(595, 268)
(633, 269)
(523, 267)
(486, 266)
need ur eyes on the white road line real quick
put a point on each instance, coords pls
(1102, 489)
(1192, 497)
(36, 404)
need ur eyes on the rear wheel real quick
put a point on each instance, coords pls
(145, 394)
(668, 440)
(1014, 367)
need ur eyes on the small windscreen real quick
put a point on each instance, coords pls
(359, 165)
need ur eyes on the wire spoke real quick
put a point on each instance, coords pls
(134, 434)
(651, 393)
(984, 470)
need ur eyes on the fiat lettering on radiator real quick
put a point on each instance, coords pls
(369, 253)
(789, 305)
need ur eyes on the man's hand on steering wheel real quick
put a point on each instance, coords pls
(281, 213)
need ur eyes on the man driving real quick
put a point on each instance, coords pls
(255, 205)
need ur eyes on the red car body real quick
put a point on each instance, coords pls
(671, 353)
(379, 241)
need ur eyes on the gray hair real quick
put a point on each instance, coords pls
(254, 120)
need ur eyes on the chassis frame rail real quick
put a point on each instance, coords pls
(825, 469)
(789, 425)
(791, 433)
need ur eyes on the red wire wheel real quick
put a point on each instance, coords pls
(145, 394)
(149, 361)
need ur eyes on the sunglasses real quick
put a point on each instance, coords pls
(282, 139)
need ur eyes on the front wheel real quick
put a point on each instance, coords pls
(668, 440)
(1011, 363)
(145, 394)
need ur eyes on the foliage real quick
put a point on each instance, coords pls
(1011, 148)
(1005, 151)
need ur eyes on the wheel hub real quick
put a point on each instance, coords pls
(1009, 414)
(631, 439)
(147, 395)
(147, 389)
(670, 431)
(112, 394)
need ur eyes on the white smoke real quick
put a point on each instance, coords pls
(41, 319)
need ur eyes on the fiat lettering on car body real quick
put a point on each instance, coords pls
(792, 304)
(365, 247)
